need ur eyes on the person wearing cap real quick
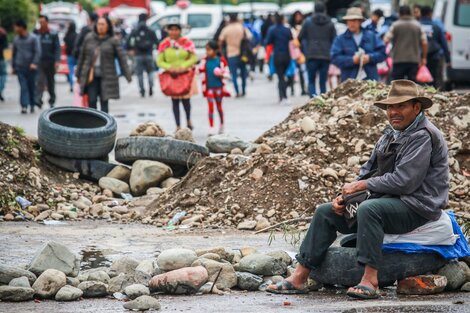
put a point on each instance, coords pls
(357, 51)
(408, 168)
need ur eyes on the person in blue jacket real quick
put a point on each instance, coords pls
(357, 51)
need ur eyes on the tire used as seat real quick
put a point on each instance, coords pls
(78, 133)
(163, 149)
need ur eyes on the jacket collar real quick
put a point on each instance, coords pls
(349, 34)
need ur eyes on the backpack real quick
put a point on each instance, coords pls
(432, 31)
(142, 40)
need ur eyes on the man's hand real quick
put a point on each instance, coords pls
(356, 59)
(365, 59)
(423, 62)
(33, 67)
(353, 187)
(338, 206)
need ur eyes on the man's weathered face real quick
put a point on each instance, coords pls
(401, 115)
(354, 25)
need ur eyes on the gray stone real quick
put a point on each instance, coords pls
(83, 275)
(181, 281)
(206, 288)
(466, 270)
(155, 191)
(16, 294)
(73, 281)
(119, 283)
(54, 255)
(248, 281)
(136, 290)
(225, 143)
(68, 293)
(7, 273)
(455, 275)
(115, 185)
(173, 259)
(126, 265)
(120, 172)
(144, 272)
(143, 303)
(20, 282)
(222, 274)
(169, 182)
(465, 287)
(49, 283)
(261, 264)
(223, 253)
(82, 203)
(282, 256)
(307, 125)
(101, 276)
(93, 289)
(247, 225)
(146, 174)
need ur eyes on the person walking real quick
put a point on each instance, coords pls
(214, 68)
(409, 45)
(49, 62)
(177, 55)
(96, 67)
(316, 37)
(232, 37)
(296, 23)
(83, 32)
(141, 43)
(69, 40)
(3, 64)
(25, 61)
(279, 36)
(374, 23)
(357, 51)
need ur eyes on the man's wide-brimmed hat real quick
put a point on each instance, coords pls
(353, 14)
(403, 90)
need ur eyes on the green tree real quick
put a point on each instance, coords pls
(12, 10)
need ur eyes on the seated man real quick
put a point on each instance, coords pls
(412, 175)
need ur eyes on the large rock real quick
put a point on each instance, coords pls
(126, 265)
(20, 282)
(222, 274)
(115, 185)
(169, 182)
(120, 282)
(455, 275)
(282, 256)
(120, 172)
(422, 285)
(261, 264)
(49, 283)
(144, 271)
(16, 294)
(68, 293)
(248, 281)
(93, 289)
(176, 258)
(85, 274)
(54, 255)
(7, 273)
(136, 290)
(223, 253)
(142, 303)
(185, 280)
(146, 174)
(101, 276)
(225, 143)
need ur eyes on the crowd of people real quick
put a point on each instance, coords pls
(296, 50)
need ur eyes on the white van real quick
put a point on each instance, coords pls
(200, 22)
(455, 16)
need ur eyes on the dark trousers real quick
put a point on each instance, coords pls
(93, 91)
(46, 72)
(404, 71)
(176, 109)
(315, 66)
(281, 62)
(144, 63)
(434, 66)
(235, 64)
(374, 218)
(27, 80)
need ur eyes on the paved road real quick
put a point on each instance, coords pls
(246, 117)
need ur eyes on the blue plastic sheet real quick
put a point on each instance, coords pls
(459, 250)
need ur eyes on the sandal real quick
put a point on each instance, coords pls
(366, 294)
(286, 288)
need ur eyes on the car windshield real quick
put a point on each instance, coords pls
(162, 22)
(200, 20)
(462, 13)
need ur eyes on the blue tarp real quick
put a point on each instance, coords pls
(459, 250)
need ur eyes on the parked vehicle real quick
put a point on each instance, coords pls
(455, 16)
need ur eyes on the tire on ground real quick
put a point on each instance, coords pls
(89, 169)
(77, 133)
(163, 149)
(340, 267)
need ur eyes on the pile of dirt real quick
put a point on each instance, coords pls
(317, 149)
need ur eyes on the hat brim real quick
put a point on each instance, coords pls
(168, 26)
(353, 17)
(425, 101)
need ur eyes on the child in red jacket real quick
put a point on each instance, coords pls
(215, 69)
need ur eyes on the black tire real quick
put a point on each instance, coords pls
(163, 149)
(89, 169)
(340, 267)
(77, 133)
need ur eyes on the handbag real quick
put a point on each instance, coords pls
(176, 84)
(246, 49)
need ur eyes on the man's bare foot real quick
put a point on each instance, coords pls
(297, 280)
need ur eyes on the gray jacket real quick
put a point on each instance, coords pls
(421, 175)
(26, 51)
(316, 37)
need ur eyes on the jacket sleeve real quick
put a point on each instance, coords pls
(302, 35)
(269, 37)
(378, 55)
(37, 51)
(332, 32)
(410, 170)
(57, 50)
(189, 62)
(161, 62)
(13, 56)
(337, 56)
(80, 59)
(442, 41)
(122, 59)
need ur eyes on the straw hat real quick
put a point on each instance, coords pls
(353, 14)
(403, 90)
